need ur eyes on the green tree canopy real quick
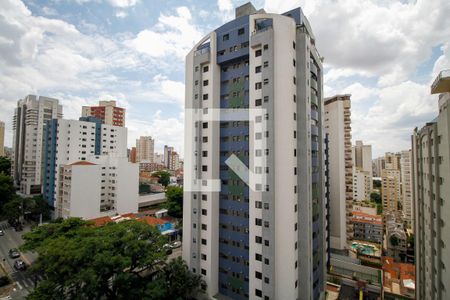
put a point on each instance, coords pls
(7, 190)
(5, 165)
(377, 184)
(163, 177)
(122, 260)
(375, 197)
(394, 240)
(174, 203)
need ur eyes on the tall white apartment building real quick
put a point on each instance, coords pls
(70, 141)
(99, 186)
(362, 171)
(145, 149)
(29, 121)
(254, 100)
(406, 188)
(431, 194)
(2, 138)
(338, 128)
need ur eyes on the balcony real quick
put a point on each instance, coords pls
(202, 51)
(442, 83)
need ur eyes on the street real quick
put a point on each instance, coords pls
(24, 283)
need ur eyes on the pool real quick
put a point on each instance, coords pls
(363, 248)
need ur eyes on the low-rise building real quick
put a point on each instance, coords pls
(398, 280)
(367, 227)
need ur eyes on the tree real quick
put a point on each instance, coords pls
(394, 240)
(122, 260)
(377, 184)
(163, 177)
(5, 165)
(375, 197)
(7, 191)
(182, 284)
(174, 203)
(12, 210)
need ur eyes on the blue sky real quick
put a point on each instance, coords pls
(385, 53)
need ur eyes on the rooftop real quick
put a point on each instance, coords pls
(442, 83)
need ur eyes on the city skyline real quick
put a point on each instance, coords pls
(130, 52)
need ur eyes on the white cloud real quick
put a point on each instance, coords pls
(172, 35)
(123, 3)
(225, 5)
(121, 14)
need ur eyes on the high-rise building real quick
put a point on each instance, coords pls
(379, 164)
(2, 138)
(431, 194)
(254, 100)
(29, 121)
(338, 128)
(390, 184)
(362, 185)
(100, 186)
(392, 161)
(174, 161)
(167, 155)
(406, 192)
(362, 157)
(145, 149)
(133, 155)
(107, 111)
(70, 141)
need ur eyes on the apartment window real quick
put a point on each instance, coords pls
(266, 224)
(295, 226)
(266, 261)
(266, 81)
(205, 96)
(258, 204)
(295, 116)
(295, 98)
(205, 69)
(196, 82)
(196, 69)
(258, 257)
(203, 272)
(204, 212)
(204, 242)
(226, 37)
(295, 208)
(295, 134)
(258, 239)
(266, 243)
(266, 99)
(258, 293)
(293, 45)
(266, 205)
(295, 152)
(196, 96)
(205, 139)
(258, 222)
(258, 275)
(205, 125)
(241, 31)
(258, 102)
(266, 47)
(204, 227)
(204, 168)
(258, 85)
(258, 69)
(258, 53)
(204, 197)
(266, 64)
(293, 62)
(294, 80)
(204, 153)
(203, 258)
(205, 82)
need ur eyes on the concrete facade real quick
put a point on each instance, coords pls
(338, 128)
(107, 111)
(406, 188)
(431, 196)
(145, 149)
(367, 227)
(266, 241)
(390, 183)
(30, 118)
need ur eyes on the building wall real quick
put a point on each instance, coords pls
(145, 149)
(337, 125)
(407, 205)
(107, 111)
(390, 183)
(362, 185)
(29, 119)
(268, 240)
(431, 193)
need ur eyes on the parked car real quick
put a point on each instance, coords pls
(176, 244)
(2, 232)
(20, 265)
(14, 253)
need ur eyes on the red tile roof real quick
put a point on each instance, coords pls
(82, 163)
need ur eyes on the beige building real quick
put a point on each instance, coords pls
(145, 149)
(378, 165)
(431, 196)
(406, 192)
(390, 183)
(362, 171)
(338, 128)
(392, 161)
(2, 138)
(107, 111)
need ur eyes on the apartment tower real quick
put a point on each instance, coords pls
(145, 149)
(254, 100)
(29, 121)
(2, 138)
(406, 188)
(431, 194)
(107, 111)
(338, 128)
(362, 171)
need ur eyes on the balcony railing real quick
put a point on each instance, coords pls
(202, 51)
(442, 83)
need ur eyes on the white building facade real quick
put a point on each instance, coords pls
(406, 197)
(338, 128)
(145, 149)
(266, 240)
(29, 121)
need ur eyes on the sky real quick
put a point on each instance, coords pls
(385, 53)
